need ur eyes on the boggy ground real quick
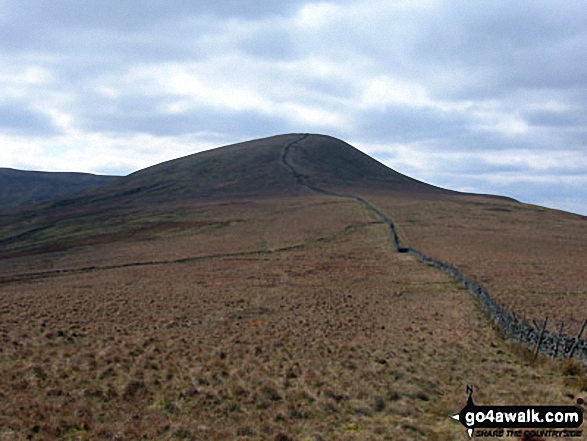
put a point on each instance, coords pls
(296, 322)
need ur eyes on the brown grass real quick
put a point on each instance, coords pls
(339, 338)
(530, 258)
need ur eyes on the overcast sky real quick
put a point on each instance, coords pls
(482, 96)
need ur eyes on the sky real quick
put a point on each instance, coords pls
(485, 96)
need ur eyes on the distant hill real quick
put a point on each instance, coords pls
(18, 187)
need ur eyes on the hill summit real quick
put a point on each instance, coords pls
(256, 169)
(274, 167)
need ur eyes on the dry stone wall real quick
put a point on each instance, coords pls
(512, 327)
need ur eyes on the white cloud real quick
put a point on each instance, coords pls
(99, 153)
(316, 15)
(22, 80)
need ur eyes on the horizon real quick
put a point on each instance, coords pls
(475, 97)
(271, 136)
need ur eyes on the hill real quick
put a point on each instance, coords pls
(248, 170)
(18, 187)
(253, 292)
(253, 169)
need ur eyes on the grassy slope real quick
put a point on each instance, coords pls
(531, 259)
(130, 206)
(315, 330)
(331, 163)
(339, 338)
(133, 204)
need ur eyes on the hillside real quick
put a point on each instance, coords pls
(328, 162)
(253, 292)
(18, 187)
(253, 169)
(249, 170)
(487, 236)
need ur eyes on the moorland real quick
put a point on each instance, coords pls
(214, 297)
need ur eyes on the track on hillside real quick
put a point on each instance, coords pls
(510, 326)
(301, 180)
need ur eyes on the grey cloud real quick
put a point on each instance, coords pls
(480, 167)
(110, 32)
(405, 124)
(465, 137)
(90, 49)
(508, 44)
(556, 119)
(269, 43)
(553, 187)
(17, 118)
(135, 14)
(249, 124)
(135, 117)
(484, 169)
(140, 113)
